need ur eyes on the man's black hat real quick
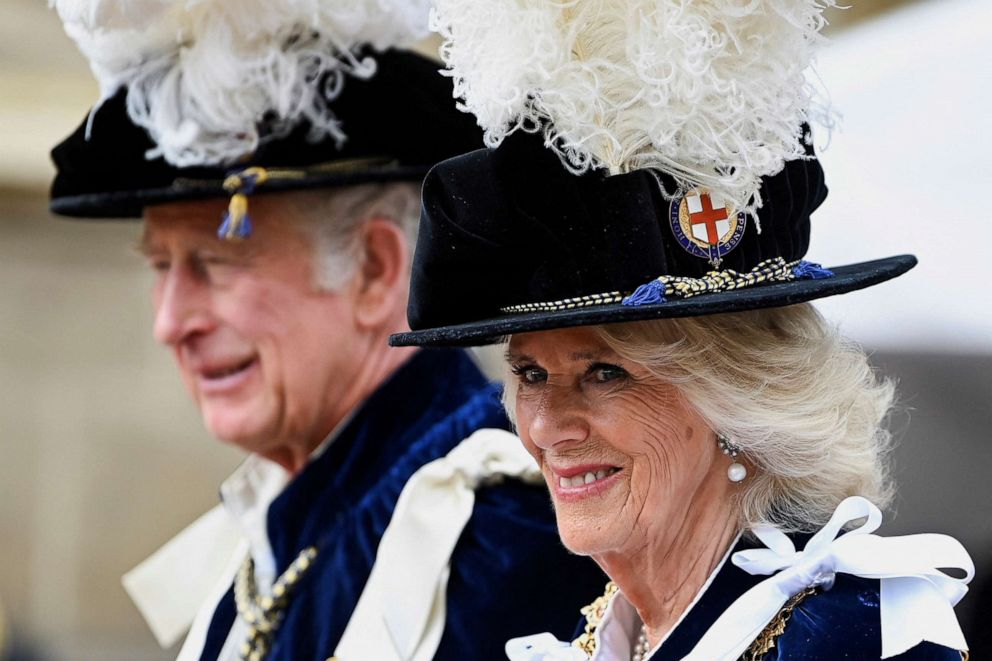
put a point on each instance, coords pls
(512, 242)
(398, 123)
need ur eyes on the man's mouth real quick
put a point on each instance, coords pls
(224, 372)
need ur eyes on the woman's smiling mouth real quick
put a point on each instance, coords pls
(578, 482)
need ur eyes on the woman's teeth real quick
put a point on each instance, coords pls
(587, 478)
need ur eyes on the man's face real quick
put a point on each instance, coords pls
(265, 354)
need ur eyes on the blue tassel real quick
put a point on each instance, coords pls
(810, 271)
(232, 229)
(652, 292)
(236, 224)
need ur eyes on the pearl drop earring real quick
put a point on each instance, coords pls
(737, 471)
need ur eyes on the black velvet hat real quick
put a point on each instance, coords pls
(511, 242)
(398, 124)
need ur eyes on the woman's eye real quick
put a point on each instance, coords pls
(530, 374)
(606, 373)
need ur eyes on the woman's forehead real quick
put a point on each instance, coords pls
(565, 345)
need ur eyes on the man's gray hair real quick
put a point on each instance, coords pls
(332, 220)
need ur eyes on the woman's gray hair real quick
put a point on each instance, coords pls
(332, 219)
(802, 402)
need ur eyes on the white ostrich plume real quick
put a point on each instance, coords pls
(211, 79)
(713, 92)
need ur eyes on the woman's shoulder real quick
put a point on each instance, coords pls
(840, 623)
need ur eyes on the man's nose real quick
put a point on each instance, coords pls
(560, 418)
(181, 307)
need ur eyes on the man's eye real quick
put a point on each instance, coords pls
(159, 265)
(529, 374)
(605, 373)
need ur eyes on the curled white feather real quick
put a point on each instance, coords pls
(210, 79)
(712, 92)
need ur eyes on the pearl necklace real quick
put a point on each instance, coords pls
(642, 646)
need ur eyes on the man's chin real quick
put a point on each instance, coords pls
(237, 428)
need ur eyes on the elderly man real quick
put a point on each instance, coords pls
(280, 337)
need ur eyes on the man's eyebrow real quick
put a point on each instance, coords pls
(144, 245)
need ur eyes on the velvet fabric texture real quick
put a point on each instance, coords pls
(511, 226)
(398, 124)
(839, 623)
(509, 571)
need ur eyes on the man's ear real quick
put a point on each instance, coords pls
(383, 273)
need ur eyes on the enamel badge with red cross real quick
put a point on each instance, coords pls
(705, 226)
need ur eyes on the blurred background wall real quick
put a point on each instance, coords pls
(102, 456)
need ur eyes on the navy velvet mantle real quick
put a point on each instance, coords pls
(840, 623)
(510, 574)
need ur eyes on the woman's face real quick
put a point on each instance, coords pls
(626, 459)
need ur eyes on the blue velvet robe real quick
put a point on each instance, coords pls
(839, 623)
(509, 575)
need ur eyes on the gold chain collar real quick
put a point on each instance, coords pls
(264, 614)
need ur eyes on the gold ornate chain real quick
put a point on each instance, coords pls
(264, 614)
(594, 615)
(766, 639)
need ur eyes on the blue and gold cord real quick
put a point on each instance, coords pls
(236, 224)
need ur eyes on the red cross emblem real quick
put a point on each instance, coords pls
(705, 226)
(709, 217)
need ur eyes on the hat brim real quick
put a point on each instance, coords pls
(125, 204)
(847, 278)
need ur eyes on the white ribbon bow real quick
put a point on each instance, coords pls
(400, 615)
(916, 598)
(542, 647)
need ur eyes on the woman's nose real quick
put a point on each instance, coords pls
(559, 418)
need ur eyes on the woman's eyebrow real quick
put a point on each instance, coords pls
(514, 357)
(590, 355)
(578, 356)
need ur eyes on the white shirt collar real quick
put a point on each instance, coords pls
(195, 568)
(247, 495)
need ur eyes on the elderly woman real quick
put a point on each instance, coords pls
(694, 431)
(638, 235)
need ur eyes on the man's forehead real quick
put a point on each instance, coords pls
(188, 221)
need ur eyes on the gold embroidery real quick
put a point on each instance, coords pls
(594, 615)
(766, 639)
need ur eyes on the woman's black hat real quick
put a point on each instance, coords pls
(398, 124)
(511, 242)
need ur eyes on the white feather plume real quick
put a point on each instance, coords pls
(712, 92)
(210, 79)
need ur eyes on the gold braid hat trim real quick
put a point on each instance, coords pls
(775, 269)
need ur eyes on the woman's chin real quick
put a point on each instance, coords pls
(587, 533)
(585, 542)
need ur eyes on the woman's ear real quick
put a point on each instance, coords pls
(383, 273)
